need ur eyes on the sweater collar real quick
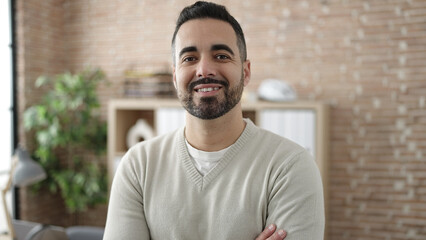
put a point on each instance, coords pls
(232, 152)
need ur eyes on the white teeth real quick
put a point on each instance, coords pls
(208, 89)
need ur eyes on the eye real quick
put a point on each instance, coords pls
(189, 59)
(222, 57)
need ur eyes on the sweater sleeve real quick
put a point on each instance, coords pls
(126, 217)
(296, 202)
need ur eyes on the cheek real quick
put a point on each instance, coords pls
(181, 81)
(235, 76)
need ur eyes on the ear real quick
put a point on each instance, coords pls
(174, 76)
(246, 72)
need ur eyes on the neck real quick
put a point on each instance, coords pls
(216, 134)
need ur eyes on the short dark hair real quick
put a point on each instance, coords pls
(203, 9)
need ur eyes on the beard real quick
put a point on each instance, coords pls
(211, 107)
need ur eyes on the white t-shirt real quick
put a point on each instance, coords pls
(204, 161)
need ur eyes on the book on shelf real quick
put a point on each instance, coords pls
(139, 84)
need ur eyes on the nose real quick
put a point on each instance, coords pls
(206, 68)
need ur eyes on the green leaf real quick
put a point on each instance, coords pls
(43, 138)
(42, 80)
(30, 118)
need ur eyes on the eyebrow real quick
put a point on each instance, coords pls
(217, 47)
(187, 49)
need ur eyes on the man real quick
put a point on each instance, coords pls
(219, 177)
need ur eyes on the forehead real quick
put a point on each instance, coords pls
(205, 32)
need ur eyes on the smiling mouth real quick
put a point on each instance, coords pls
(207, 85)
(208, 89)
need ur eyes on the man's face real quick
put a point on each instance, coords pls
(208, 73)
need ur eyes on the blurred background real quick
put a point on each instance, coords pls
(364, 59)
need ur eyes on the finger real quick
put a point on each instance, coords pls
(278, 235)
(267, 232)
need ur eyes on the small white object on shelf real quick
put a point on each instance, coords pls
(141, 130)
(276, 90)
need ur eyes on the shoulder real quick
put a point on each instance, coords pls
(279, 154)
(150, 150)
(157, 143)
(267, 141)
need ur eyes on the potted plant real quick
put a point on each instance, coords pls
(69, 138)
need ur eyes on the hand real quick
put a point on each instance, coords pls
(270, 233)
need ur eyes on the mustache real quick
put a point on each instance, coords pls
(193, 84)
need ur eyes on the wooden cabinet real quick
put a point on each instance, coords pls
(303, 122)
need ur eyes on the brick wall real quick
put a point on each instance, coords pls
(367, 59)
(39, 51)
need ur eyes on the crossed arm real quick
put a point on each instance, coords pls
(295, 204)
(271, 233)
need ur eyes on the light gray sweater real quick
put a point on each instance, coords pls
(157, 193)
